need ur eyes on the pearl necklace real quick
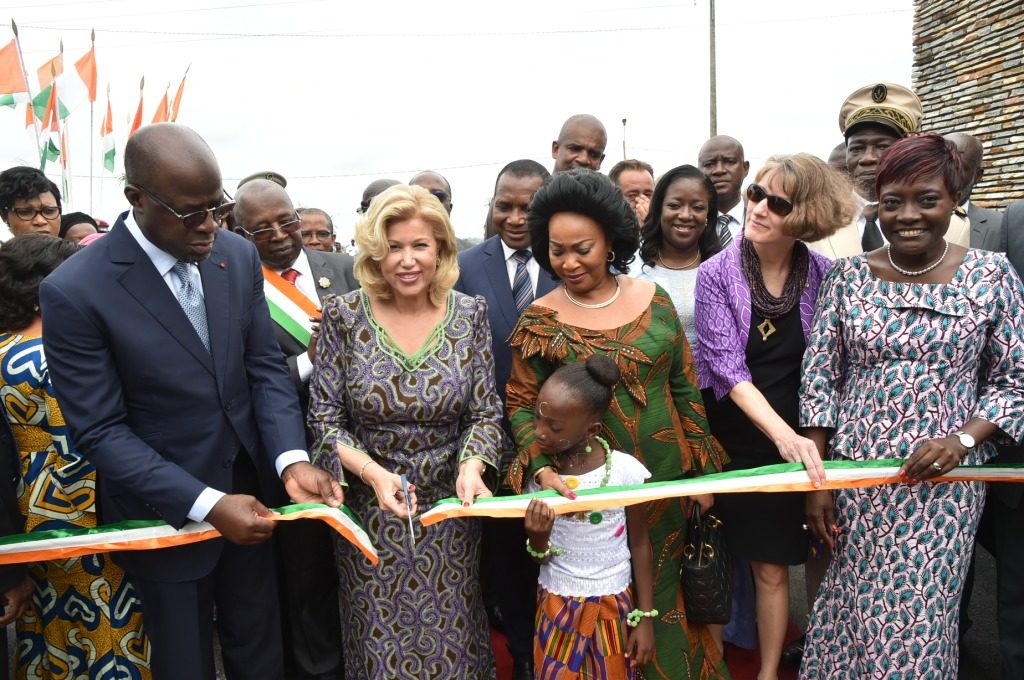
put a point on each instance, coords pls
(919, 272)
(688, 265)
(595, 305)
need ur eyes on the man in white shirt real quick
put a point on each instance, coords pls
(722, 160)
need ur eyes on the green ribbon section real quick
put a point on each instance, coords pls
(722, 476)
(131, 524)
(289, 324)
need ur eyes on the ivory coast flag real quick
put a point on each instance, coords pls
(163, 112)
(289, 308)
(107, 137)
(77, 85)
(13, 88)
(51, 137)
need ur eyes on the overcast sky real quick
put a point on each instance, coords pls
(335, 94)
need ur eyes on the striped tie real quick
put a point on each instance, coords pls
(522, 286)
(191, 301)
(724, 235)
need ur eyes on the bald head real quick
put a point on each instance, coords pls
(580, 143)
(165, 148)
(971, 150)
(265, 215)
(257, 192)
(837, 159)
(435, 183)
(372, 189)
(721, 159)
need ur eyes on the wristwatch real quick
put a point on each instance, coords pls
(966, 440)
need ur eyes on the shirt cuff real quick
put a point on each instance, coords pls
(304, 366)
(201, 508)
(289, 457)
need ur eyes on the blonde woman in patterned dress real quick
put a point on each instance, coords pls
(85, 620)
(914, 353)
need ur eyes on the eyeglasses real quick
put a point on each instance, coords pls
(264, 234)
(440, 195)
(49, 212)
(777, 204)
(320, 235)
(194, 220)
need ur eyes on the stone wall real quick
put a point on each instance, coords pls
(969, 73)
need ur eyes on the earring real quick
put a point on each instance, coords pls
(35, 308)
(437, 263)
(588, 448)
(611, 256)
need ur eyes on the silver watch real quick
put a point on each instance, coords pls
(966, 440)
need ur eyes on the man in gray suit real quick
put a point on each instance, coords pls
(985, 233)
(307, 576)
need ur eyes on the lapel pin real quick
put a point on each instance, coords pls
(223, 265)
(324, 282)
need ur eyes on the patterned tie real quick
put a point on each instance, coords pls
(872, 238)
(522, 286)
(724, 235)
(191, 301)
(290, 275)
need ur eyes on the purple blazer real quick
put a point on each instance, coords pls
(722, 312)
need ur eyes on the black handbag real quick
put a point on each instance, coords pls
(706, 574)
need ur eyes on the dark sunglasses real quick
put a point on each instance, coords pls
(777, 204)
(194, 220)
(440, 195)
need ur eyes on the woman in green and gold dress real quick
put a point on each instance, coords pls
(85, 619)
(584, 232)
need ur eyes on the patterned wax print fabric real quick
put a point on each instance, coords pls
(656, 415)
(889, 366)
(85, 620)
(582, 638)
(419, 613)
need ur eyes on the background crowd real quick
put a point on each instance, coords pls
(857, 308)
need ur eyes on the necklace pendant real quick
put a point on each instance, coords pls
(766, 328)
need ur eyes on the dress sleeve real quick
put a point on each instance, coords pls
(1001, 377)
(528, 373)
(329, 415)
(823, 373)
(481, 435)
(706, 455)
(722, 360)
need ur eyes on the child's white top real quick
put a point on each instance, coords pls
(595, 558)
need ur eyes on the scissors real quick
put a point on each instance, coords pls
(408, 507)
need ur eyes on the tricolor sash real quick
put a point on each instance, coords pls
(289, 308)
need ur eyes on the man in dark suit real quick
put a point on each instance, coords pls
(307, 576)
(985, 223)
(502, 269)
(173, 387)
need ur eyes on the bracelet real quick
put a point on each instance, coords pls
(539, 470)
(552, 551)
(368, 461)
(633, 618)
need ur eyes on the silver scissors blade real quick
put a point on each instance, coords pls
(408, 508)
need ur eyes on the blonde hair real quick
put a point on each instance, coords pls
(822, 197)
(399, 203)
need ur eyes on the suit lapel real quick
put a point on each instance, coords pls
(214, 271)
(323, 272)
(143, 282)
(497, 274)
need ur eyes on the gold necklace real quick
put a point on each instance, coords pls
(688, 265)
(595, 305)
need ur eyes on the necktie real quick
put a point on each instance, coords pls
(522, 286)
(724, 235)
(192, 302)
(290, 275)
(872, 238)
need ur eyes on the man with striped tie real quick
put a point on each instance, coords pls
(721, 159)
(503, 271)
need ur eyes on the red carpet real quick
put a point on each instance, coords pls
(743, 664)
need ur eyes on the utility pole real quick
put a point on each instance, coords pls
(714, 84)
(623, 139)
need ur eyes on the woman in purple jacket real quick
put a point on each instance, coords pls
(754, 305)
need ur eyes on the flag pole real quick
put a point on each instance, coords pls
(28, 87)
(92, 131)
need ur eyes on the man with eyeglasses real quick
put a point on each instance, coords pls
(29, 202)
(317, 230)
(173, 387)
(308, 579)
(437, 185)
(580, 143)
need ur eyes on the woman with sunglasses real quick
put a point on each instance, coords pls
(678, 235)
(754, 304)
(29, 202)
(914, 353)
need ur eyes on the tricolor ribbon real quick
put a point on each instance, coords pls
(151, 534)
(289, 308)
(843, 474)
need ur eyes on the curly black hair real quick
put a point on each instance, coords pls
(24, 182)
(593, 195)
(24, 262)
(651, 235)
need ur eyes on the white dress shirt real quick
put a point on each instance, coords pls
(532, 268)
(164, 263)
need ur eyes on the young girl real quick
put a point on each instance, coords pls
(586, 625)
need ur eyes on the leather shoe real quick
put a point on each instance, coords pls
(522, 670)
(793, 653)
